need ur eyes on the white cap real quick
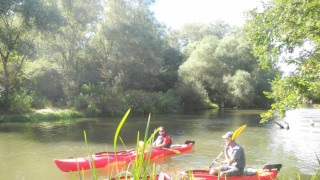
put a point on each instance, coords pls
(228, 135)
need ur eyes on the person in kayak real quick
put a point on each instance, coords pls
(163, 140)
(235, 158)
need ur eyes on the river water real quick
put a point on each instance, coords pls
(28, 150)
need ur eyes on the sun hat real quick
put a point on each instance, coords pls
(228, 135)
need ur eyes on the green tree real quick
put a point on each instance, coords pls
(132, 48)
(193, 95)
(190, 35)
(68, 49)
(285, 28)
(21, 22)
(214, 60)
(204, 68)
(241, 87)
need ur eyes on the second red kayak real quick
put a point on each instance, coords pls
(122, 157)
(268, 172)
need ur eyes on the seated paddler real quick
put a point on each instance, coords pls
(163, 140)
(235, 158)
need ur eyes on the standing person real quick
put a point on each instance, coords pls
(163, 140)
(235, 158)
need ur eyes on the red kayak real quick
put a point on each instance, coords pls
(268, 172)
(122, 157)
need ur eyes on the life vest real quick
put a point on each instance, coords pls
(160, 140)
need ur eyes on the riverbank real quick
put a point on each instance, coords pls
(42, 115)
(51, 114)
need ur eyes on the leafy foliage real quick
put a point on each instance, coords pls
(68, 48)
(288, 28)
(93, 99)
(105, 57)
(214, 65)
(20, 24)
(132, 48)
(190, 35)
(193, 96)
(241, 87)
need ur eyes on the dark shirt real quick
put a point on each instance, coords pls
(237, 152)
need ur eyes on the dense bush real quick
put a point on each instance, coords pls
(193, 96)
(98, 100)
(170, 102)
(20, 101)
(241, 88)
(24, 101)
(39, 102)
(146, 102)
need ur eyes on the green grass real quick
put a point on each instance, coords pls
(35, 117)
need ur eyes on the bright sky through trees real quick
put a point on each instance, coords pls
(175, 13)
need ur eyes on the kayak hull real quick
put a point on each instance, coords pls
(269, 172)
(123, 157)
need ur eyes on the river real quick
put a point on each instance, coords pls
(28, 150)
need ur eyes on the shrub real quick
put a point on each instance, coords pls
(140, 101)
(80, 102)
(193, 95)
(98, 100)
(169, 102)
(145, 102)
(241, 89)
(20, 101)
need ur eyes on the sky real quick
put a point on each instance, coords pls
(175, 13)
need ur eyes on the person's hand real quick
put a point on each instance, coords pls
(224, 162)
(211, 171)
(223, 174)
(220, 163)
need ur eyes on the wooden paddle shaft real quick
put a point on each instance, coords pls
(218, 156)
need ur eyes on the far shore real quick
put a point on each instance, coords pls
(42, 115)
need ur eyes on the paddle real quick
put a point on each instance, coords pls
(173, 150)
(235, 134)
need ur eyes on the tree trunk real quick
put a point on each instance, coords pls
(78, 83)
(6, 81)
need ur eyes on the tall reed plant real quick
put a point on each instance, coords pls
(317, 174)
(141, 165)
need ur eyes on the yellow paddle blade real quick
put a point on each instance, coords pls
(175, 151)
(207, 169)
(238, 131)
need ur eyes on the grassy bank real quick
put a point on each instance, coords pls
(42, 115)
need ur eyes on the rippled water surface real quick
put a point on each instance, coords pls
(28, 150)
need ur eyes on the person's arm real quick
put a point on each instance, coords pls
(229, 159)
(156, 141)
(161, 145)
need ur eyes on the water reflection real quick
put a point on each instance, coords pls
(27, 150)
